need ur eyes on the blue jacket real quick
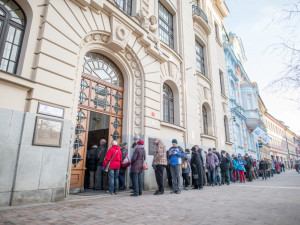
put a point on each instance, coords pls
(241, 164)
(174, 159)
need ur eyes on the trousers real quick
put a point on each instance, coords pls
(159, 175)
(176, 173)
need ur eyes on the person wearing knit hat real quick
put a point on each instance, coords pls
(175, 155)
(137, 168)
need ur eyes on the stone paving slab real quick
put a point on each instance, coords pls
(275, 201)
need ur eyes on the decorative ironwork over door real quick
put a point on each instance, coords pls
(100, 91)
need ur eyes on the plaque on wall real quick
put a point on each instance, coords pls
(152, 146)
(47, 132)
(50, 110)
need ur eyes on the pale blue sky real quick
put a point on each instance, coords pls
(256, 22)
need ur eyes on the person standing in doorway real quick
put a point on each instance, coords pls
(160, 162)
(91, 164)
(113, 155)
(122, 169)
(100, 174)
(212, 162)
(137, 161)
(175, 154)
(218, 172)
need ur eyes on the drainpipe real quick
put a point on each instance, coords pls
(17, 162)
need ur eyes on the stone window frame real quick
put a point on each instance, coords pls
(202, 60)
(207, 119)
(171, 25)
(9, 24)
(226, 128)
(222, 82)
(168, 104)
(126, 6)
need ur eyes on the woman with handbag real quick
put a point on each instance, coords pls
(137, 162)
(125, 163)
(112, 163)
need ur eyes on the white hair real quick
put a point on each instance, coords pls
(114, 142)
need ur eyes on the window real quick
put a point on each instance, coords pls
(238, 135)
(168, 104)
(217, 32)
(222, 82)
(232, 89)
(205, 120)
(165, 24)
(125, 5)
(200, 58)
(249, 101)
(227, 137)
(12, 26)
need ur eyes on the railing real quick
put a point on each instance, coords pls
(198, 11)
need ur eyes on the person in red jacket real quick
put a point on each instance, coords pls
(114, 156)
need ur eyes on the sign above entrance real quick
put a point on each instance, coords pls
(50, 110)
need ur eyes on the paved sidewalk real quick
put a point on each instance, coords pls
(275, 201)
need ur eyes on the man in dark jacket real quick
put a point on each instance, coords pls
(197, 169)
(225, 165)
(91, 164)
(248, 167)
(263, 166)
(218, 173)
(100, 177)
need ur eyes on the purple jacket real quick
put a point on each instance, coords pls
(211, 161)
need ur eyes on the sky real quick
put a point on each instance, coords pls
(259, 24)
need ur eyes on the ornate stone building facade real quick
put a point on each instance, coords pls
(75, 71)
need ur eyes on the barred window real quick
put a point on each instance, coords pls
(12, 26)
(200, 61)
(125, 5)
(227, 137)
(165, 23)
(168, 104)
(205, 120)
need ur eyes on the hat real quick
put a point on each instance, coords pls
(174, 141)
(214, 149)
(123, 144)
(140, 142)
(223, 151)
(193, 149)
(239, 155)
(209, 149)
(246, 154)
(187, 150)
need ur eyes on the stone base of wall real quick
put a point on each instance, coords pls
(34, 196)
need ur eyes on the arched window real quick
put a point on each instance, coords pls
(168, 104)
(12, 26)
(226, 127)
(101, 67)
(205, 120)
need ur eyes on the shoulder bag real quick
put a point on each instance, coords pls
(108, 164)
(126, 161)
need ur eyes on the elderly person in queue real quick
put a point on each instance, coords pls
(114, 156)
(212, 162)
(160, 162)
(137, 168)
(197, 169)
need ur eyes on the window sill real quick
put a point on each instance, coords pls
(167, 47)
(224, 96)
(228, 143)
(219, 42)
(204, 77)
(208, 136)
(170, 125)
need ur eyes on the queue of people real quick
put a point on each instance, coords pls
(186, 169)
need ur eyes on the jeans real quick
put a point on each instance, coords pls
(122, 180)
(92, 179)
(113, 181)
(231, 175)
(298, 170)
(212, 176)
(218, 177)
(159, 175)
(99, 178)
(264, 174)
(137, 183)
(225, 176)
(176, 172)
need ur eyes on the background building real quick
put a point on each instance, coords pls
(75, 71)
(243, 98)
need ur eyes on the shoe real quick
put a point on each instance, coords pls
(241, 182)
(134, 195)
(122, 188)
(187, 188)
(178, 192)
(132, 191)
(156, 192)
(200, 188)
(116, 193)
(219, 184)
(107, 192)
(213, 185)
(228, 183)
(172, 192)
(140, 194)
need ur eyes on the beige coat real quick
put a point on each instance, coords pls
(160, 155)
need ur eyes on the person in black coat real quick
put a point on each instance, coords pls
(248, 167)
(197, 170)
(122, 169)
(100, 176)
(91, 164)
(225, 165)
(263, 166)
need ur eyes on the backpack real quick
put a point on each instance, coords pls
(184, 165)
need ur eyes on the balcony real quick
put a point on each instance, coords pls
(222, 7)
(200, 17)
(253, 118)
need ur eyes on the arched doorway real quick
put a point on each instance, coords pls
(100, 111)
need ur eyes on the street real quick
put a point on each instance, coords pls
(275, 201)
